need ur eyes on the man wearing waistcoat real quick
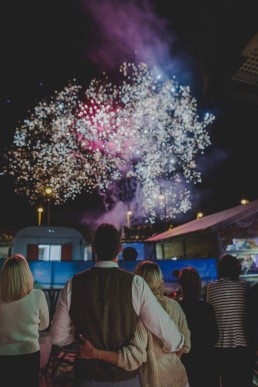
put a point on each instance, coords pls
(103, 304)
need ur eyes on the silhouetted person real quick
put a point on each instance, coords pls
(200, 361)
(129, 254)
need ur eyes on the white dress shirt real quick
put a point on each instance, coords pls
(145, 305)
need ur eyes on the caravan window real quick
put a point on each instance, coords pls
(50, 252)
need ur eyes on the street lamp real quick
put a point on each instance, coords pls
(199, 215)
(48, 192)
(161, 193)
(128, 217)
(162, 199)
(40, 210)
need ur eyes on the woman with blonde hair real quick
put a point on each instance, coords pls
(158, 367)
(23, 312)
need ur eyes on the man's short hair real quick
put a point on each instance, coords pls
(229, 267)
(107, 242)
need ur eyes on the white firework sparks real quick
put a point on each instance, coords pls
(145, 128)
(44, 151)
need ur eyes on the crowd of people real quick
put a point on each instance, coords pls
(129, 334)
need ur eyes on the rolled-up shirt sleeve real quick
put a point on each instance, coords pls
(61, 329)
(154, 317)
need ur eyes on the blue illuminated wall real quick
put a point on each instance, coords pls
(138, 246)
(57, 273)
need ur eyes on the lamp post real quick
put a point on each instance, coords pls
(244, 201)
(128, 217)
(48, 192)
(199, 215)
(40, 210)
(162, 199)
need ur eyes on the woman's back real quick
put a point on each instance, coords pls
(162, 368)
(158, 367)
(200, 315)
(23, 312)
(200, 361)
(21, 321)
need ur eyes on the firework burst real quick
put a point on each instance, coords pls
(44, 151)
(144, 129)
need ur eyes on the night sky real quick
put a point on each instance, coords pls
(46, 44)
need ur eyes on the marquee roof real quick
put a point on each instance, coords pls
(209, 222)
